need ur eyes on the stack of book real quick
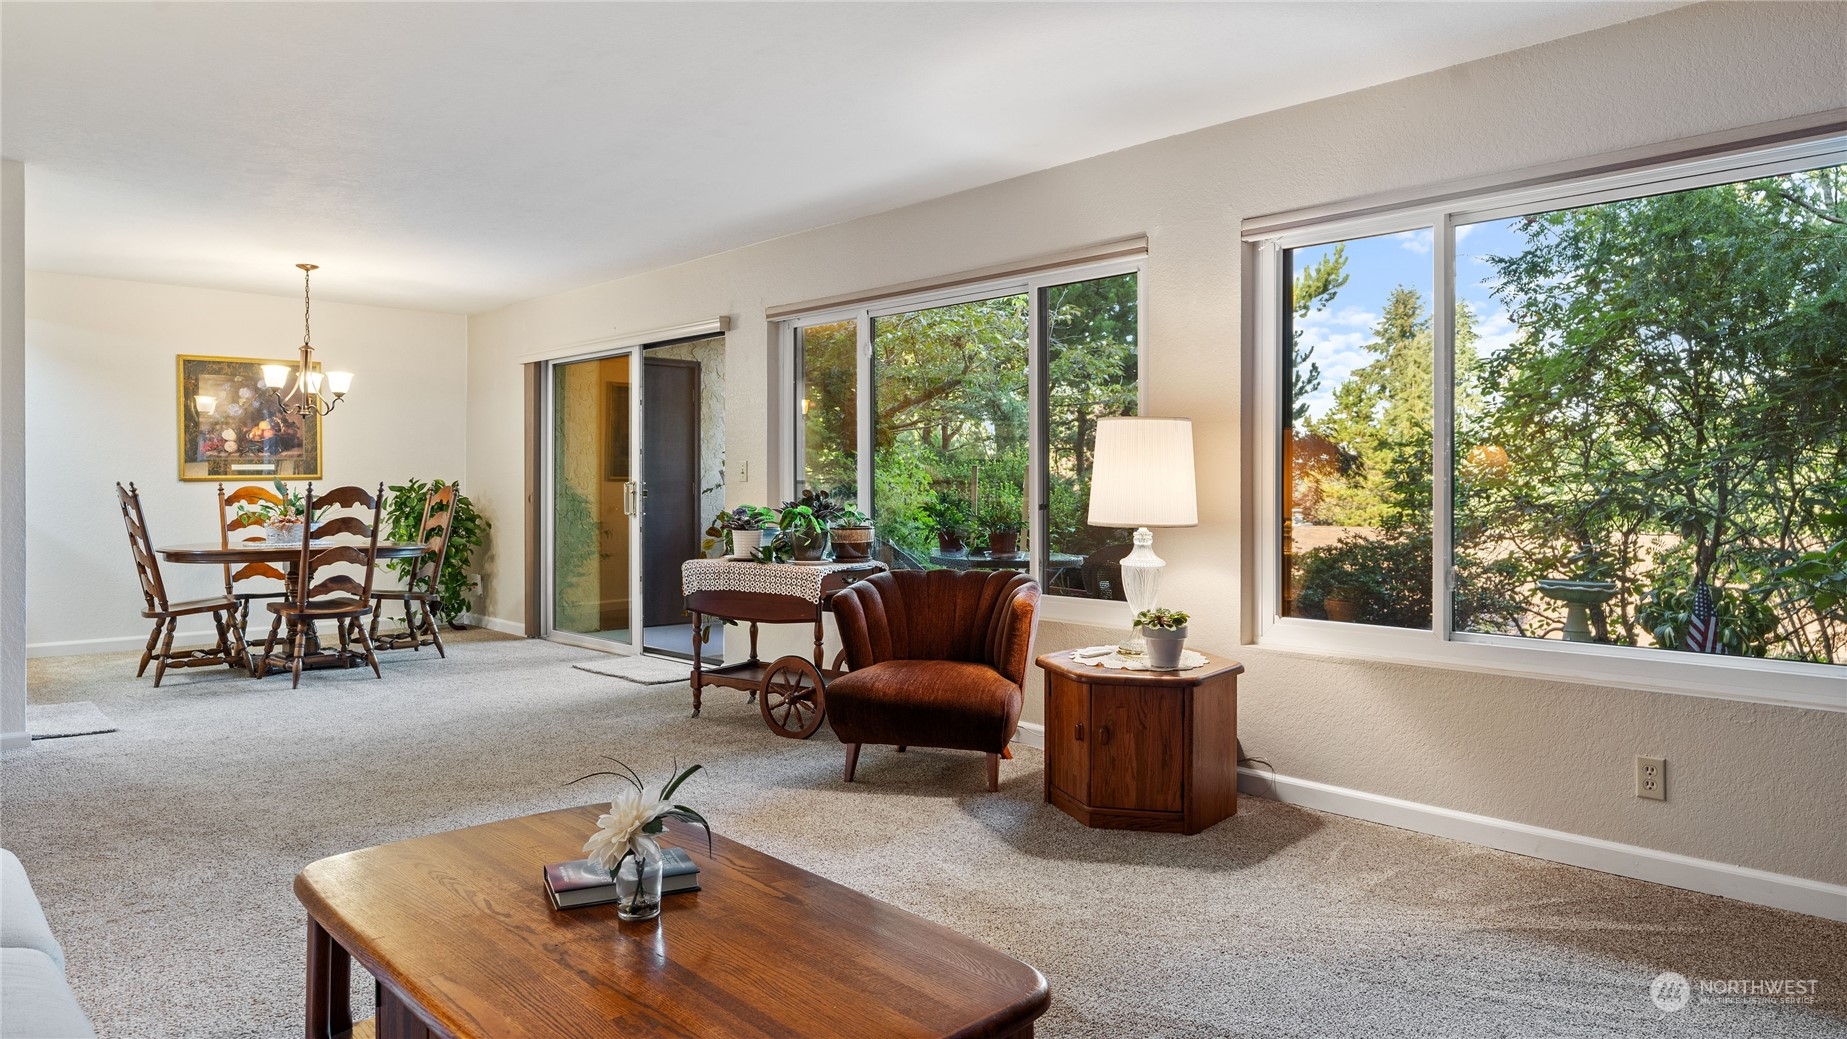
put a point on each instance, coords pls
(582, 882)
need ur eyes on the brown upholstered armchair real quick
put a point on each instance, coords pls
(937, 657)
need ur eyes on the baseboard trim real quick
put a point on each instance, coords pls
(12, 742)
(122, 644)
(1759, 887)
(1030, 734)
(495, 624)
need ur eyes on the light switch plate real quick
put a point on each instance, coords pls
(1651, 778)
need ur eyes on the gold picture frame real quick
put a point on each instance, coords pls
(245, 434)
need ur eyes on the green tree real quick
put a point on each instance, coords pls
(1311, 289)
(1679, 390)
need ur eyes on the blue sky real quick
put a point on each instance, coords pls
(1375, 266)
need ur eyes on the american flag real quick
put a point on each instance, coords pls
(1703, 628)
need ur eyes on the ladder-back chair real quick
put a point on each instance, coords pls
(338, 597)
(424, 586)
(165, 614)
(237, 527)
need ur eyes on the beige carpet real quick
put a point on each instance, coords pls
(164, 852)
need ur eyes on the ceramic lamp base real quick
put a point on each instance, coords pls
(1141, 586)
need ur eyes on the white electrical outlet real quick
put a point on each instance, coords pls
(474, 583)
(1651, 778)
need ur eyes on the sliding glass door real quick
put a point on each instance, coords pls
(594, 507)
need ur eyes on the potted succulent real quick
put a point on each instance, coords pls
(852, 535)
(947, 515)
(1000, 517)
(1165, 632)
(739, 531)
(802, 533)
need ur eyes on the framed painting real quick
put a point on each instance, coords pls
(231, 427)
(616, 419)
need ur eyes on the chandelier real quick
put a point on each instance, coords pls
(305, 382)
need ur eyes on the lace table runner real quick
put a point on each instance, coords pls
(730, 575)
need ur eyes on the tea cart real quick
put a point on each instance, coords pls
(791, 691)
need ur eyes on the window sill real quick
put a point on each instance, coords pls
(1779, 683)
(1096, 613)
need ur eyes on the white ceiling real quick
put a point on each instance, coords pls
(464, 156)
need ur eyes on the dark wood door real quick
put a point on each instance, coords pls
(670, 520)
(1135, 752)
(1067, 735)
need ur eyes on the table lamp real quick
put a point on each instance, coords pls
(1142, 477)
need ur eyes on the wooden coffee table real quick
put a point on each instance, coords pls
(457, 930)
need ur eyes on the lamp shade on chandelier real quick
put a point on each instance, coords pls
(306, 389)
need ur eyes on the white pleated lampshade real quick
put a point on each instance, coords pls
(1143, 474)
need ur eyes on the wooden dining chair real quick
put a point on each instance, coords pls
(230, 648)
(424, 585)
(235, 527)
(338, 597)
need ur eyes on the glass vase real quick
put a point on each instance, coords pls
(639, 900)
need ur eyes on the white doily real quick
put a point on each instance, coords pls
(723, 575)
(1110, 658)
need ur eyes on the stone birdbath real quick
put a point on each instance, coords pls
(1578, 597)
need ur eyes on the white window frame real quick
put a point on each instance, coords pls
(1779, 682)
(1052, 607)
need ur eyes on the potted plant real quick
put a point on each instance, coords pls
(467, 531)
(1000, 517)
(852, 535)
(740, 531)
(802, 533)
(947, 515)
(281, 520)
(1165, 632)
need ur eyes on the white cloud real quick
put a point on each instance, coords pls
(1495, 331)
(1338, 339)
(1463, 231)
(1415, 241)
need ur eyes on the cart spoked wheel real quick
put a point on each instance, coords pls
(792, 699)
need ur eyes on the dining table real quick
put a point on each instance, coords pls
(288, 555)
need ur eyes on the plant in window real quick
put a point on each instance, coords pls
(802, 533)
(852, 535)
(739, 531)
(1000, 518)
(825, 507)
(946, 515)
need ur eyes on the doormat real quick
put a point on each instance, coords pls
(641, 670)
(51, 721)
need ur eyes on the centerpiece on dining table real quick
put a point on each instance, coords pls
(282, 518)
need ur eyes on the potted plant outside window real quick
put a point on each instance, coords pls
(852, 535)
(1165, 632)
(1000, 517)
(946, 514)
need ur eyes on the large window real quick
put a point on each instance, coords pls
(965, 425)
(1614, 418)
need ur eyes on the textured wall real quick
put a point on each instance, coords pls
(13, 455)
(1759, 786)
(100, 361)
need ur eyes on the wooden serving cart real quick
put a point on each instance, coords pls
(791, 691)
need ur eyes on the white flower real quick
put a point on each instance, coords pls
(619, 829)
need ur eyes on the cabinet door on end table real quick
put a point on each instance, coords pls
(1136, 747)
(1067, 724)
